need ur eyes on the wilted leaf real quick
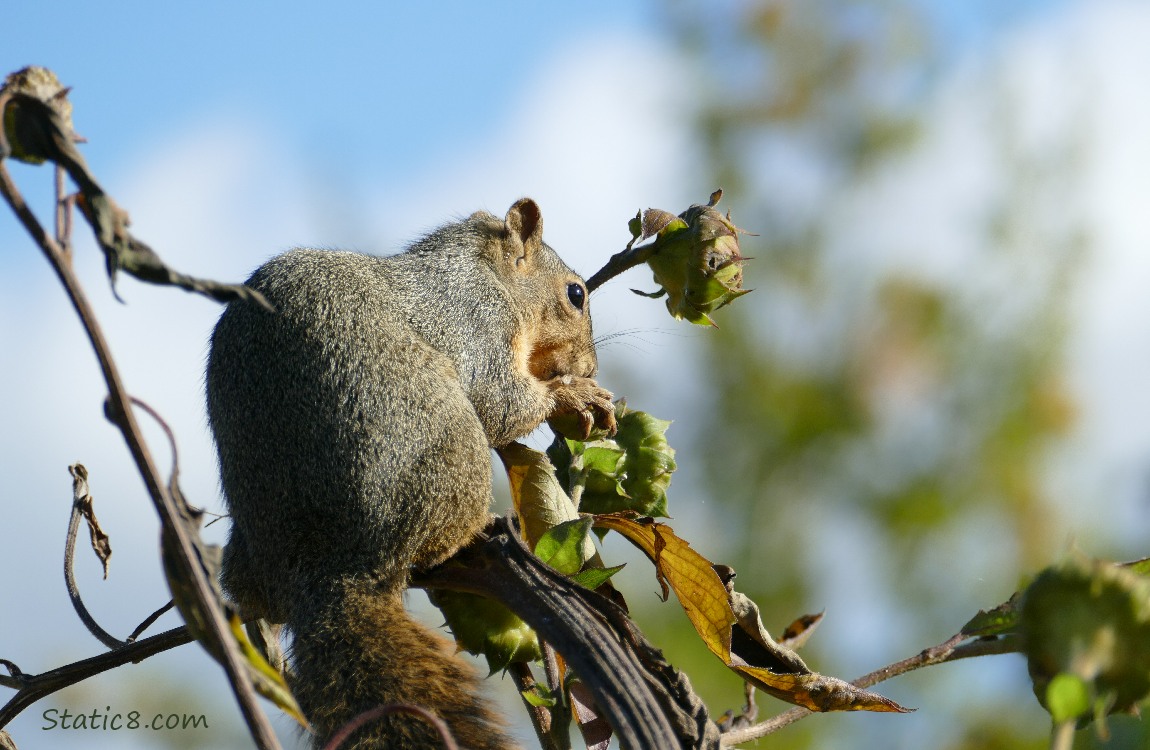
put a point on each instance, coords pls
(593, 727)
(800, 631)
(818, 692)
(691, 575)
(751, 642)
(37, 123)
(81, 496)
(656, 220)
(709, 607)
(539, 499)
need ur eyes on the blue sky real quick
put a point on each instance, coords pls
(234, 130)
(367, 86)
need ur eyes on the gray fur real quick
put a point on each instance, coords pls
(354, 424)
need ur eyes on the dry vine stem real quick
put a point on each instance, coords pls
(120, 412)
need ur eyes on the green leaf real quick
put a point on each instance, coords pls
(539, 696)
(1141, 567)
(593, 578)
(635, 226)
(1001, 619)
(562, 547)
(631, 472)
(603, 462)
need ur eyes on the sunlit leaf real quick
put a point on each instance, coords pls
(1141, 567)
(562, 547)
(540, 501)
(266, 679)
(593, 578)
(539, 696)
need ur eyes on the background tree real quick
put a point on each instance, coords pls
(871, 425)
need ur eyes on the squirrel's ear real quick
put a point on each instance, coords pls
(525, 224)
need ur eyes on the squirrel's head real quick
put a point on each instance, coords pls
(555, 334)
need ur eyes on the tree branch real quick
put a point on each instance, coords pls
(32, 688)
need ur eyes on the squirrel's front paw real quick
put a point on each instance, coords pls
(580, 406)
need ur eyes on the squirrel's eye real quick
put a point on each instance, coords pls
(577, 295)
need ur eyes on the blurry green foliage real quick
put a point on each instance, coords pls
(920, 410)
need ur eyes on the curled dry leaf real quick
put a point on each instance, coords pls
(37, 127)
(800, 631)
(101, 543)
(722, 618)
(592, 724)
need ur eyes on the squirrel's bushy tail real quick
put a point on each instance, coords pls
(361, 649)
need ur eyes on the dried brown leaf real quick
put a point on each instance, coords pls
(722, 617)
(101, 542)
(799, 632)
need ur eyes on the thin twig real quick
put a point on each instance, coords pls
(63, 214)
(539, 715)
(186, 557)
(948, 651)
(624, 260)
(34, 687)
(80, 496)
(1062, 735)
(174, 476)
(147, 623)
(379, 712)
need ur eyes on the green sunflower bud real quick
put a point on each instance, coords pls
(1086, 630)
(630, 472)
(486, 627)
(695, 259)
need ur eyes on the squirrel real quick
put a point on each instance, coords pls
(354, 427)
